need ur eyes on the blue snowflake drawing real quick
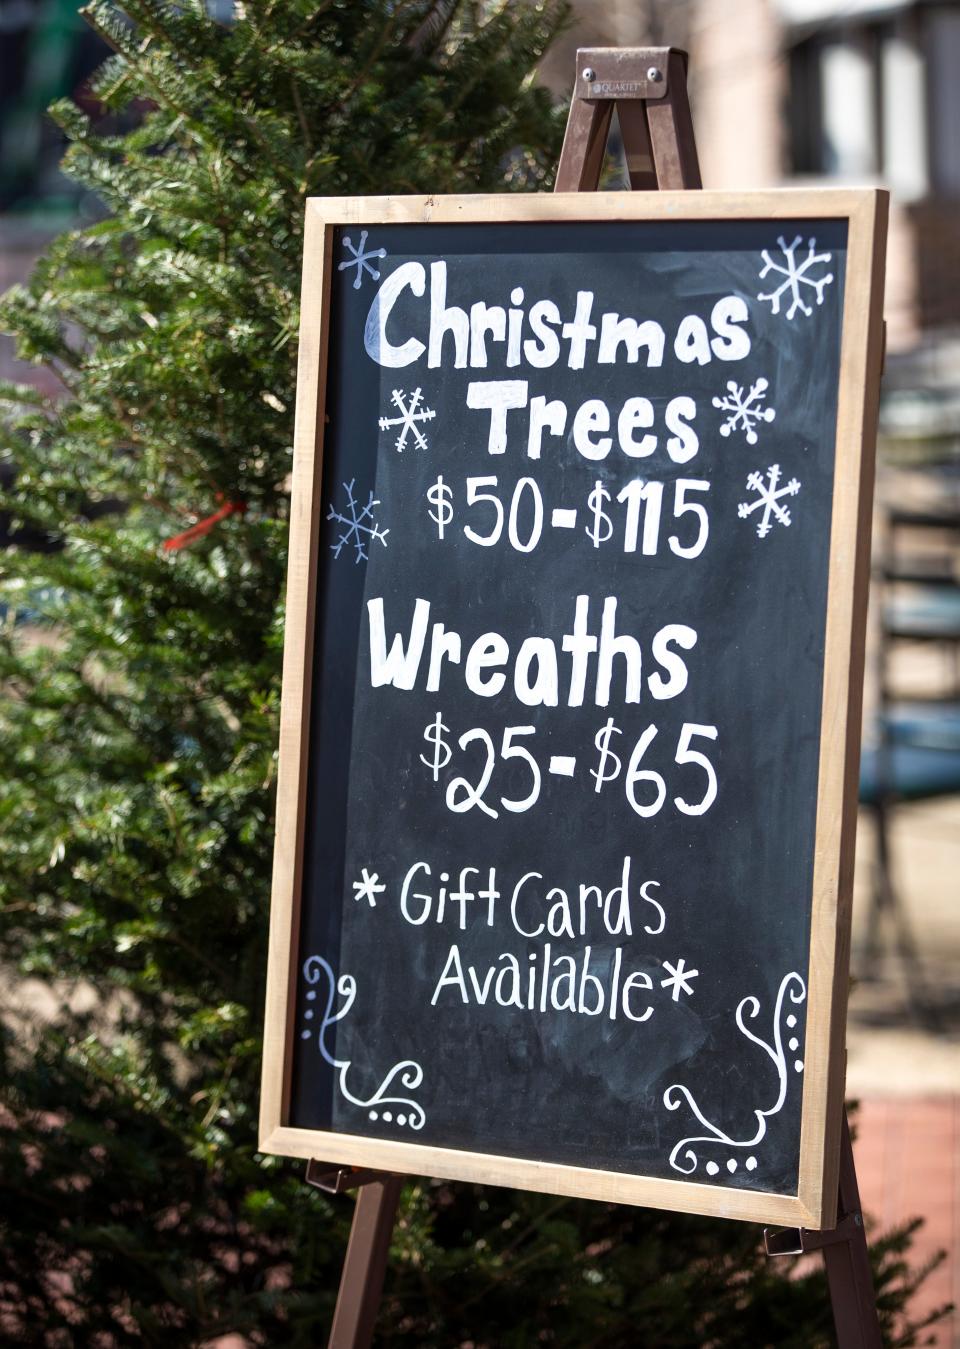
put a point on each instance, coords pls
(354, 524)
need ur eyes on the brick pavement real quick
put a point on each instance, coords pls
(907, 1153)
(906, 1075)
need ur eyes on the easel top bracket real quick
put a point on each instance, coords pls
(616, 73)
(648, 88)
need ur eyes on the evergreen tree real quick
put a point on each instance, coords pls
(138, 723)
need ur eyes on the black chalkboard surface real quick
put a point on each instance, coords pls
(562, 752)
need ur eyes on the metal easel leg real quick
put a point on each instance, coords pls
(848, 1266)
(632, 116)
(671, 131)
(846, 1257)
(584, 145)
(365, 1264)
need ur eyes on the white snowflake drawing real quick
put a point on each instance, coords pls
(768, 496)
(410, 413)
(356, 529)
(361, 259)
(744, 408)
(794, 275)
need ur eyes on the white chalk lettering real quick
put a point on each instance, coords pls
(401, 665)
(498, 397)
(375, 339)
(535, 674)
(445, 320)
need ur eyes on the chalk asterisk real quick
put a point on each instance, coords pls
(368, 887)
(361, 259)
(678, 979)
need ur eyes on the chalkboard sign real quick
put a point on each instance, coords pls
(571, 693)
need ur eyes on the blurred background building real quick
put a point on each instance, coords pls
(783, 91)
(794, 92)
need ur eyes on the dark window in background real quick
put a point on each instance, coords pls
(804, 108)
(46, 52)
(879, 97)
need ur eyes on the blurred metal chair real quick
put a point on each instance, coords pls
(916, 754)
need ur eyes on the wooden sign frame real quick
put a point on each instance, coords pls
(814, 1205)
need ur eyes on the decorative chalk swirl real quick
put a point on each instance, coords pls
(791, 985)
(410, 1074)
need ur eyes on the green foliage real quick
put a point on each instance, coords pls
(506, 1271)
(138, 725)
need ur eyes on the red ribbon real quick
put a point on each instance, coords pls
(202, 527)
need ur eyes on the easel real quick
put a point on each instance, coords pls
(649, 88)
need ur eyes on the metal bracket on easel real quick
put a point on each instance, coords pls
(648, 88)
(333, 1178)
(801, 1241)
